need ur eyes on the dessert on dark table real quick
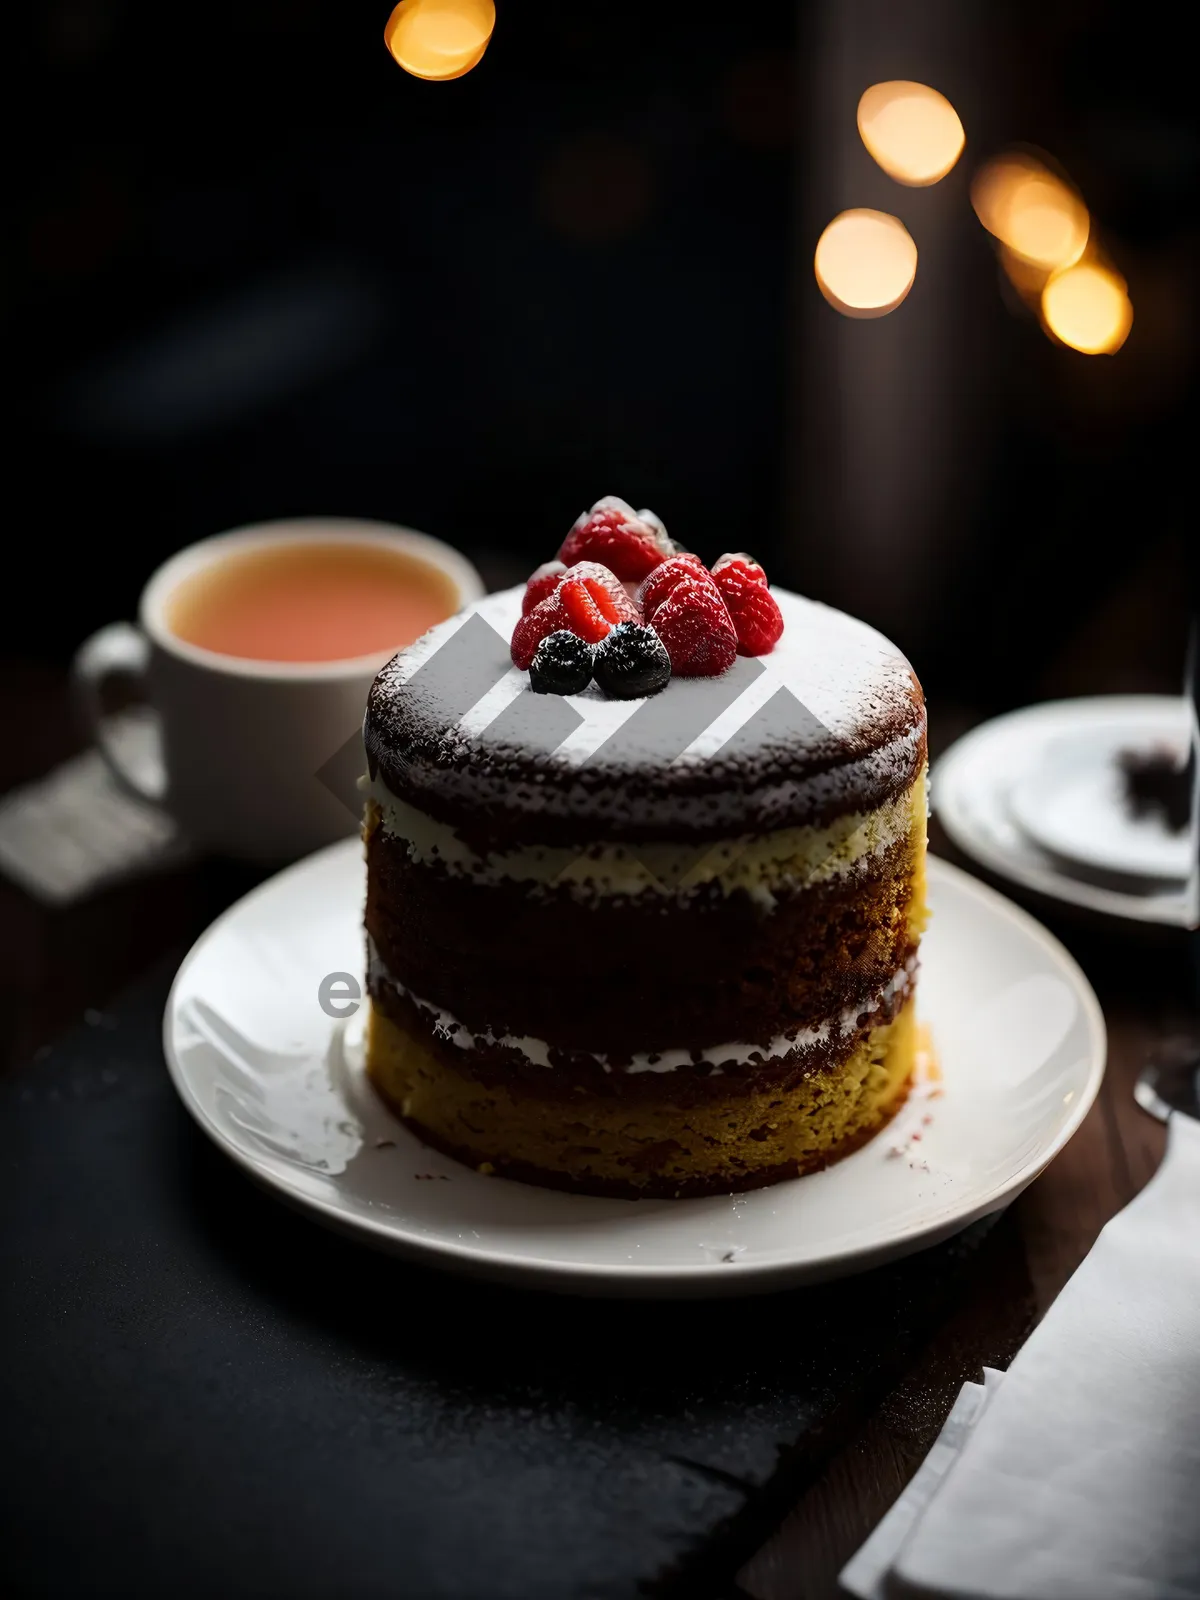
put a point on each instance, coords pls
(645, 850)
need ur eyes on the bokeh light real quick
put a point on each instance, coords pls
(1031, 210)
(1087, 307)
(1026, 277)
(865, 263)
(439, 39)
(911, 130)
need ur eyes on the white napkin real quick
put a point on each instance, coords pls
(866, 1573)
(76, 830)
(1077, 1477)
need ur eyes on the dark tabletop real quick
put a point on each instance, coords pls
(205, 1393)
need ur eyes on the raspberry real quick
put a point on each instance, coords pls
(745, 566)
(757, 619)
(590, 610)
(613, 533)
(659, 529)
(562, 664)
(599, 579)
(547, 617)
(587, 600)
(631, 662)
(659, 583)
(695, 627)
(543, 583)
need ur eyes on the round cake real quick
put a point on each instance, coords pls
(661, 946)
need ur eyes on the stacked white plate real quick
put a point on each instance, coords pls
(1040, 797)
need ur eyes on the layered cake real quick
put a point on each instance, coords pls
(645, 874)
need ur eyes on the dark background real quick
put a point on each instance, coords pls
(251, 269)
(255, 270)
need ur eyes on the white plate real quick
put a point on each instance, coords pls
(1073, 801)
(277, 1084)
(985, 793)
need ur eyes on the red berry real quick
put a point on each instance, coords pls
(612, 533)
(745, 566)
(757, 619)
(592, 573)
(590, 610)
(695, 627)
(542, 584)
(659, 583)
(547, 617)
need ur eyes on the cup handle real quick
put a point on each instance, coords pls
(120, 651)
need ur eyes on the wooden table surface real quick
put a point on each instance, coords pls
(63, 964)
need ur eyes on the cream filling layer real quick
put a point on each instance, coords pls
(718, 1057)
(762, 865)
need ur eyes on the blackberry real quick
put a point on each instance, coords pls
(562, 664)
(632, 661)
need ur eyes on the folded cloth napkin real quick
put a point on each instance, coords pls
(1076, 1477)
(77, 831)
(866, 1574)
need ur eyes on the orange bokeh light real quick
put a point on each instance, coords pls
(439, 39)
(1087, 307)
(1026, 277)
(1032, 211)
(911, 130)
(865, 263)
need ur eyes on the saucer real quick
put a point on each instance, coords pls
(1035, 797)
(1074, 801)
(277, 1083)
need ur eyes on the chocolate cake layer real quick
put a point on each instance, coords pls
(831, 721)
(573, 1078)
(635, 974)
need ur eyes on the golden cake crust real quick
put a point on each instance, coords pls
(728, 1143)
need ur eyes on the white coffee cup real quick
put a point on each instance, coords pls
(238, 746)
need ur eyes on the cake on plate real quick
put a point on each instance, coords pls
(645, 874)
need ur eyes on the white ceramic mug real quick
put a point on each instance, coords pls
(239, 745)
